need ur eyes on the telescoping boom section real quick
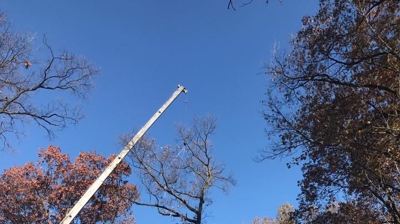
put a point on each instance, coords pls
(99, 181)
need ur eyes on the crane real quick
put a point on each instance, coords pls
(99, 181)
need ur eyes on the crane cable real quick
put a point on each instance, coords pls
(184, 142)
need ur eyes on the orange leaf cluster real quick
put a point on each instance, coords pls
(43, 192)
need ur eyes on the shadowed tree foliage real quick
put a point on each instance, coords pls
(25, 78)
(43, 192)
(334, 107)
(345, 212)
(178, 180)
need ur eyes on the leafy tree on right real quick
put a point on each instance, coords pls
(334, 107)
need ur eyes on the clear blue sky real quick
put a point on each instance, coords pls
(145, 48)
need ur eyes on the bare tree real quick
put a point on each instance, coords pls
(25, 78)
(178, 179)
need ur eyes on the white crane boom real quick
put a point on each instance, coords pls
(99, 181)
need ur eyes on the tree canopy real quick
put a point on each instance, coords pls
(42, 192)
(333, 106)
(284, 216)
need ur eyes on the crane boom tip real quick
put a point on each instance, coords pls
(183, 88)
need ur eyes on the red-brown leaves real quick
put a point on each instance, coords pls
(335, 106)
(43, 192)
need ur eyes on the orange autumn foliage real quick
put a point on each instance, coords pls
(43, 192)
